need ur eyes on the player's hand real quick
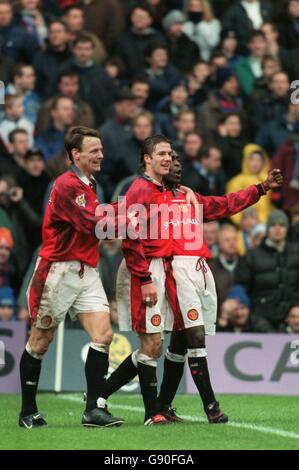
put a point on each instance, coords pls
(274, 179)
(190, 195)
(149, 294)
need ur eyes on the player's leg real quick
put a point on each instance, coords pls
(174, 362)
(98, 327)
(127, 370)
(149, 353)
(30, 368)
(45, 313)
(197, 359)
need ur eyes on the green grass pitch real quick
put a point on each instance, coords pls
(256, 422)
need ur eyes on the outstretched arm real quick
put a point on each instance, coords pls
(225, 206)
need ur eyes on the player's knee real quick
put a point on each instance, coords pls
(195, 337)
(104, 337)
(40, 345)
(152, 347)
(156, 348)
(39, 341)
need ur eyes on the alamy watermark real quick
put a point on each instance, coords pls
(295, 94)
(294, 357)
(2, 353)
(179, 221)
(2, 92)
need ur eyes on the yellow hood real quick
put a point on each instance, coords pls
(248, 150)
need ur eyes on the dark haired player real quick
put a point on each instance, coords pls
(196, 296)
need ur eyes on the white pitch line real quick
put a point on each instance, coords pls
(233, 424)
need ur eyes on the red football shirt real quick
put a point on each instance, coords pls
(145, 192)
(70, 221)
(212, 208)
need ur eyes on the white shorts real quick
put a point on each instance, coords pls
(133, 314)
(196, 291)
(58, 288)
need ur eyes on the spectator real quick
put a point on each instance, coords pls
(140, 88)
(6, 67)
(198, 83)
(96, 87)
(113, 134)
(294, 231)
(13, 162)
(14, 119)
(236, 315)
(209, 179)
(15, 43)
(210, 233)
(257, 235)
(159, 9)
(132, 44)
(34, 180)
(249, 69)
(249, 219)
(105, 19)
(23, 83)
(288, 28)
(270, 273)
(271, 104)
(244, 17)
(73, 17)
(274, 49)
(202, 26)
(7, 304)
(162, 76)
(255, 167)
(292, 320)
(224, 266)
(185, 122)
(128, 155)
(48, 62)
(229, 138)
(30, 18)
(51, 141)
(191, 145)
(286, 158)
(270, 66)
(278, 131)
(115, 69)
(22, 220)
(224, 100)
(56, 166)
(183, 52)
(228, 47)
(8, 271)
(68, 86)
(168, 109)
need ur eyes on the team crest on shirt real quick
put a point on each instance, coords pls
(80, 200)
(156, 320)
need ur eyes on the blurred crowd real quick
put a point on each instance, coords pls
(218, 77)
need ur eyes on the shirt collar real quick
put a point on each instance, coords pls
(152, 180)
(81, 176)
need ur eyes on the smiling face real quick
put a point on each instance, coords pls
(157, 165)
(89, 158)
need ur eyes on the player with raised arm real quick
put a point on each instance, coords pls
(196, 296)
(66, 279)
